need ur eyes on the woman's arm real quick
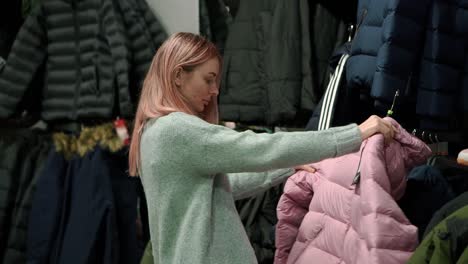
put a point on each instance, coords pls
(213, 149)
(248, 184)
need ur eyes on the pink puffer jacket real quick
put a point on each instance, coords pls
(324, 218)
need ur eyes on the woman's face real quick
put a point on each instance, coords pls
(199, 86)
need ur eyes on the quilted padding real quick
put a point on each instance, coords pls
(325, 218)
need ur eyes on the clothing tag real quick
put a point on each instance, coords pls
(2, 63)
(439, 148)
(230, 125)
(122, 131)
(443, 148)
(434, 147)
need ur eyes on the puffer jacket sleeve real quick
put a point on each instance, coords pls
(26, 56)
(143, 39)
(137, 36)
(464, 88)
(156, 30)
(442, 64)
(403, 31)
(382, 183)
(292, 207)
(219, 20)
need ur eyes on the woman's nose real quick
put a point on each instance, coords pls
(214, 90)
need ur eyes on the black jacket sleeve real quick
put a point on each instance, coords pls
(27, 55)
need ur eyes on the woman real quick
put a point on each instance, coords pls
(192, 168)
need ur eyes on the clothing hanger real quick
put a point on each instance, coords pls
(437, 137)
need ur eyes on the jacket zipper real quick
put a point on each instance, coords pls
(363, 16)
(357, 176)
(358, 26)
(77, 57)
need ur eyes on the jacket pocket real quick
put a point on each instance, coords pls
(95, 88)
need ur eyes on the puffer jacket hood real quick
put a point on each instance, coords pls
(336, 216)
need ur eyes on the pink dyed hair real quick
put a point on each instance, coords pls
(160, 96)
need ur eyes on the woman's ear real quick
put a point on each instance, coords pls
(178, 76)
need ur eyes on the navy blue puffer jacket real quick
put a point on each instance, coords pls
(417, 47)
(443, 75)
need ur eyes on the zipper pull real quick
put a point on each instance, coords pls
(357, 177)
(361, 20)
(390, 111)
(350, 32)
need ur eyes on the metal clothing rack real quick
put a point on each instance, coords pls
(437, 137)
(443, 162)
(428, 136)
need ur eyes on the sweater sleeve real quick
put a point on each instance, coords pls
(249, 184)
(213, 149)
(27, 54)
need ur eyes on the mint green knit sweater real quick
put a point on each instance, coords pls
(192, 171)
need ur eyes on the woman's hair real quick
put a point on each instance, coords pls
(160, 96)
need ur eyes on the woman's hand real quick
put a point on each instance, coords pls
(374, 125)
(307, 168)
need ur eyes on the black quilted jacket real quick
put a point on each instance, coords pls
(95, 54)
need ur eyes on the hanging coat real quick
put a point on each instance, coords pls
(94, 53)
(266, 71)
(447, 242)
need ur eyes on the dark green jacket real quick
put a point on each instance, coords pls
(214, 20)
(89, 48)
(258, 215)
(266, 69)
(448, 209)
(446, 243)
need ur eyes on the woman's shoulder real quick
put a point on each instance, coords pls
(174, 124)
(176, 120)
(173, 131)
